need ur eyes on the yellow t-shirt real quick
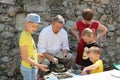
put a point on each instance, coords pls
(27, 40)
(100, 69)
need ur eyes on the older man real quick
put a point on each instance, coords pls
(53, 43)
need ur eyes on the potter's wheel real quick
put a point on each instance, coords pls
(59, 68)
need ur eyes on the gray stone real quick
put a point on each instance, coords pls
(34, 7)
(79, 17)
(81, 7)
(70, 14)
(101, 44)
(3, 78)
(70, 4)
(111, 53)
(103, 17)
(69, 24)
(65, 3)
(4, 47)
(105, 59)
(100, 10)
(117, 32)
(78, 7)
(6, 42)
(20, 21)
(7, 34)
(44, 2)
(14, 51)
(75, 2)
(78, 13)
(2, 26)
(118, 19)
(2, 10)
(5, 59)
(118, 40)
(11, 11)
(7, 1)
(105, 1)
(110, 34)
(111, 27)
(12, 29)
(10, 73)
(5, 17)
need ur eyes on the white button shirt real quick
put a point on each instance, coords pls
(52, 43)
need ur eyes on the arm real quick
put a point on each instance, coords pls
(24, 56)
(103, 30)
(89, 68)
(50, 57)
(65, 45)
(73, 30)
(41, 57)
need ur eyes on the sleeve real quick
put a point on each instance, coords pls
(24, 40)
(99, 62)
(65, 42)
(95, 25)
(41, 46)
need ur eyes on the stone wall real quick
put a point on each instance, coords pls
(12, 16)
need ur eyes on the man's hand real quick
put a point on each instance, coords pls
(43, 67)
(55, 60)
(85, 71)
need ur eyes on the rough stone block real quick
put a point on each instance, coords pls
(33, 7)
(7, 1)
(103, 17)
(20, 20)
(11, 11)
(5, 17)
(111, 27)
(68, 24)
(104, 1)
(118, 19)
(118, 40)
(2, 26)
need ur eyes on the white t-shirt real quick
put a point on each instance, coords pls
(52, 43)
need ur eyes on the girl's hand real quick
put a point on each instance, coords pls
(41, 57)
(43, 67)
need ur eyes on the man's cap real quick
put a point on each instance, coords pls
(32, 17)
(59, 19)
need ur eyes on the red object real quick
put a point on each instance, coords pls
(81, 26)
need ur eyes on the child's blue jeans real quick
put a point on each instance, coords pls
(29, 73)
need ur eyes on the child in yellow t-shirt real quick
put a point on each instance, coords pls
(29, 65)
(97, 66)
